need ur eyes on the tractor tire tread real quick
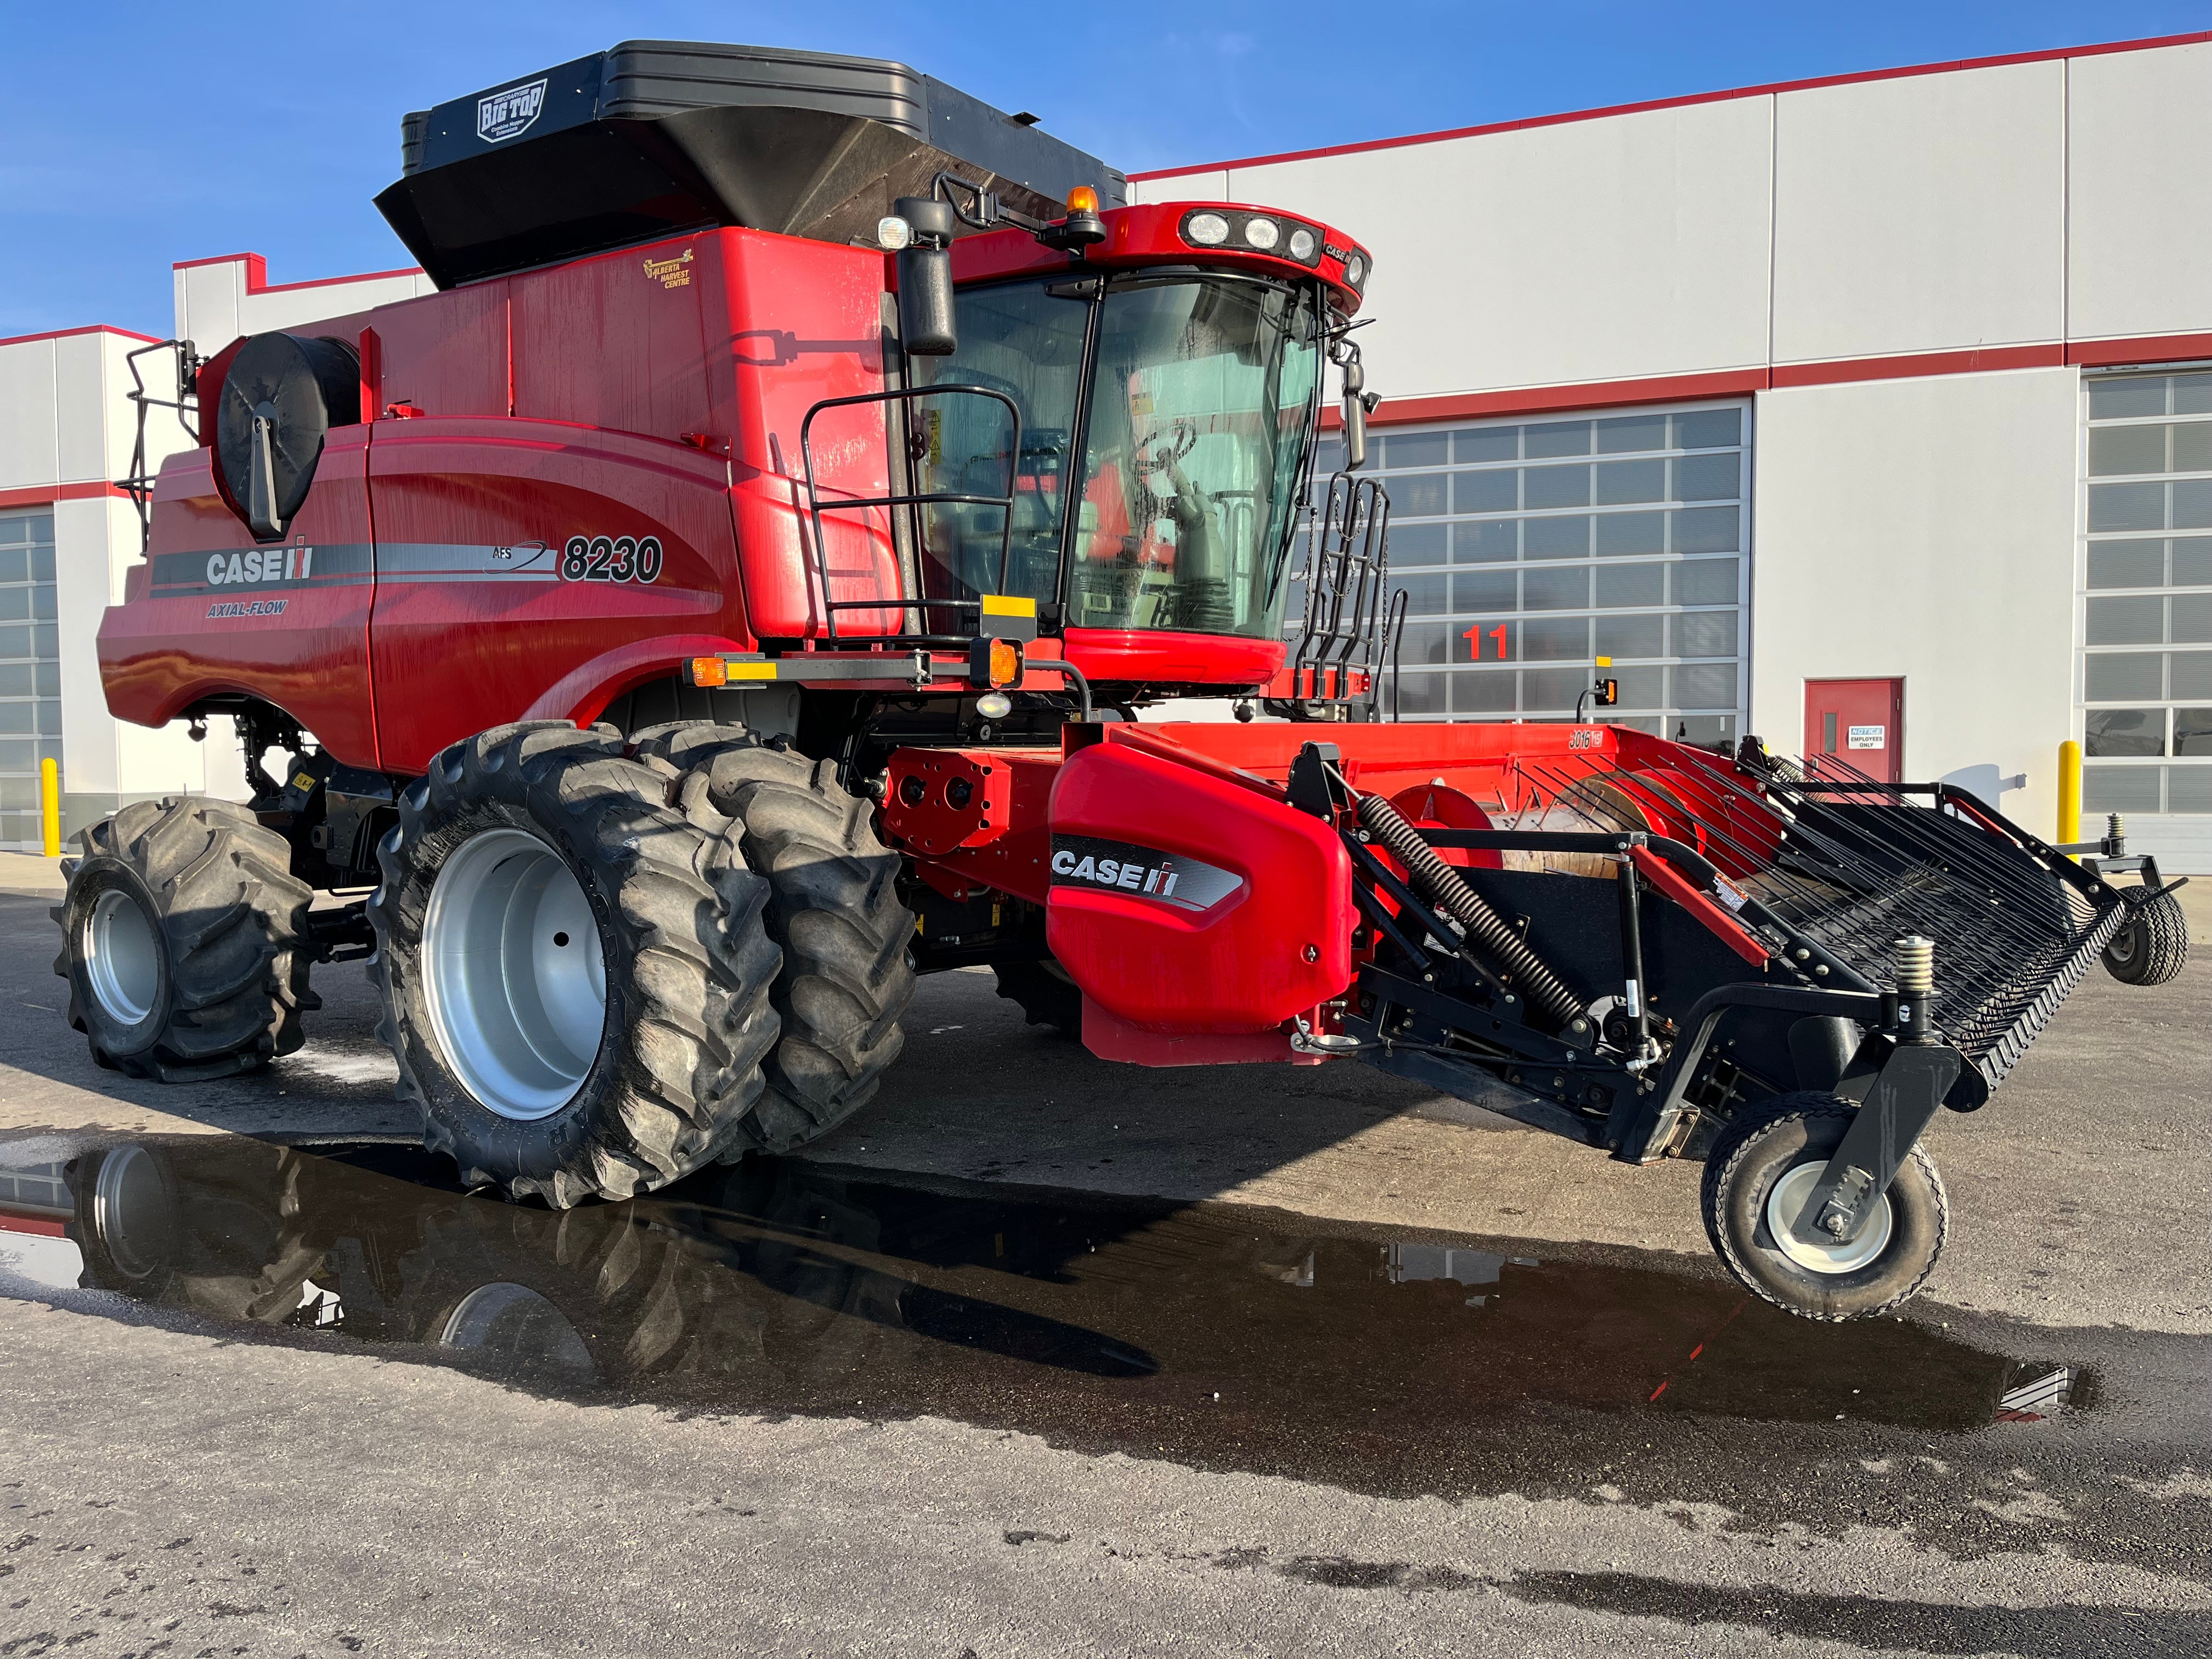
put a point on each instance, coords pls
(834, 908)
(2160, 931)
(233, 929)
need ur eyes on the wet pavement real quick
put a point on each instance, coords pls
(1217, 1337)
(1037, 1357)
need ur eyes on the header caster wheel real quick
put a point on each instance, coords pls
(1761, 1171)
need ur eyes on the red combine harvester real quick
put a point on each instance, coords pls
(728, 597)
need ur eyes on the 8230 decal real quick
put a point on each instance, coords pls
(616, 559)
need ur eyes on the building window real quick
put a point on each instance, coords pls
(2146, 673)
(1530, 549)
(30, 671)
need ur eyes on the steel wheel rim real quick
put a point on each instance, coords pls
(132, 1211)
(515, 1323)
(1785, 1206)
(122, 957)
(515, 974)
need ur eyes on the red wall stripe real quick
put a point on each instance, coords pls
(257, 273)
(47, 494)
(70, 333)
(1979, 359)
(1740, 382)
(1769, 88)
(2141, 348)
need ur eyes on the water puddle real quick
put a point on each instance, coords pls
(1219, 1336)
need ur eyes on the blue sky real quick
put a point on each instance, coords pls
(143, 134)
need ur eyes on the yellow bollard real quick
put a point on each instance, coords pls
(2069, 793)
(49, 806)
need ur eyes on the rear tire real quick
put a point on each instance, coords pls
(530, 1076)
(1041, 989)
(834, 907)
(2152, 945)
(184, 941)
(1783, 1146)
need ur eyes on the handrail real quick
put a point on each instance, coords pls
(912, 499)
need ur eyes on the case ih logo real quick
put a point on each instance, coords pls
(1139, 872)
(503, 114)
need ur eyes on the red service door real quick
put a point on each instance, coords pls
(1858, 723)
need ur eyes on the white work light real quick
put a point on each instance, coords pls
(1208, 229)
(893, 233)
(1301, 243)
(1262, 233)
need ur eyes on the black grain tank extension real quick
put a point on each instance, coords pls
(655, 137)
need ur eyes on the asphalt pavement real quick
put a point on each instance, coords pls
(1044, 1355)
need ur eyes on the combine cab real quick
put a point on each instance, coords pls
(730, 596)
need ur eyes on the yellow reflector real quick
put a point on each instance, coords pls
(1006, 605)
(709, 671)
(1605, 662)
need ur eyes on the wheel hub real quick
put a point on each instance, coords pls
(1816, 1253)
(122, 957)
(515, 974)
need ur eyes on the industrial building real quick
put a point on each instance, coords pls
(1870, 414)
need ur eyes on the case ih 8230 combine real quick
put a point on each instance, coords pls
(704, 613)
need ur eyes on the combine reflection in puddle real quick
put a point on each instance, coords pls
(1219, 1336)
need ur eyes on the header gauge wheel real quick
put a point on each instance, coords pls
(1759, 1175)
(2152, 945)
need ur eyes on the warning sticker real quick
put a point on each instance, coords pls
(1867, 737)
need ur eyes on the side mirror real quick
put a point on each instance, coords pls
(924, 279)
(1355, 416)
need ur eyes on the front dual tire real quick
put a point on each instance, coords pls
(575, 975)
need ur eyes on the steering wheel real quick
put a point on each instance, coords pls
(1155, 453)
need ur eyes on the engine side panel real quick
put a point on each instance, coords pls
(214, 612)
(509, 552)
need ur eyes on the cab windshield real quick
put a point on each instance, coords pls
(1193, 428)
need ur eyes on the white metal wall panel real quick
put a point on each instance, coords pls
(207, 304)
(1921, 214)
(81, 412)
(2140, 224)
(1586, 250)
(1186, 187)
(1924, 529)
(29, 453)
(83, 533)
(259, 313)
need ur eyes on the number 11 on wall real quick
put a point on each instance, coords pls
(1474, 636)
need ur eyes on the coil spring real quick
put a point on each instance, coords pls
(1438, 882)
(1915, 963)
